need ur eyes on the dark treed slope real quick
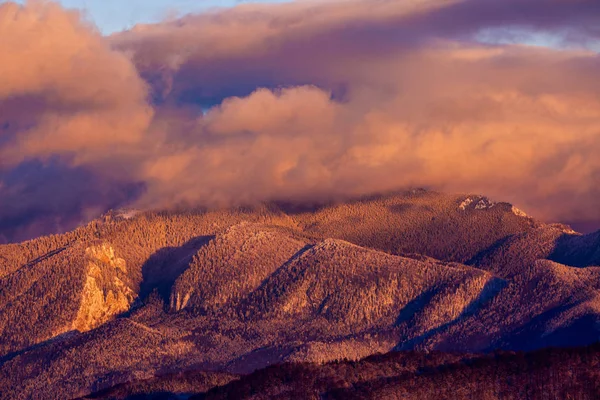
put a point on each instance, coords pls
(580, 251)
(241, 289)
(551, 373)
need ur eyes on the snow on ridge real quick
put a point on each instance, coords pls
(484, 203)
(477, 203)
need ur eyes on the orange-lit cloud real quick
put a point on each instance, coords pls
(63, 88)
(68, 105)
(313, 100)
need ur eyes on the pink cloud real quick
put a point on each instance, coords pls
(310, 101)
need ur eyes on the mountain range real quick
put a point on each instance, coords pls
(199, 301)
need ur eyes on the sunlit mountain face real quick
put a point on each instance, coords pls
(191, 199)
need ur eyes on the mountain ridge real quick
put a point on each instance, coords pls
(235, 291)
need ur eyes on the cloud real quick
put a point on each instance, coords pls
(68, 105)
(310, 101)
(44, 198)
(412, 99)
(63, 89)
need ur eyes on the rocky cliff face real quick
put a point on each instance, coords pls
(104, 294)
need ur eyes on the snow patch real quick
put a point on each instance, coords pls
(127, 213)
(476, 203)
(568, 230)
(519, 213)
(466, 203)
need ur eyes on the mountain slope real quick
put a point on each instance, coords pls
(78, 288)
(296, 312)
(117, 352)
(576, 250)
(420, 222)
(231, 266)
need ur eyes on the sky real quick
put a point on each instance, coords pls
(301, 102)
(116, 15)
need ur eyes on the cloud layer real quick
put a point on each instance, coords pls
(304, 101)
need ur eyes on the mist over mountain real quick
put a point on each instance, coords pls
(303, 102)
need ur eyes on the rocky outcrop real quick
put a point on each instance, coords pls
(104, 294)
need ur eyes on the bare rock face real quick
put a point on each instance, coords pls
(104, 254)
(104, 294)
